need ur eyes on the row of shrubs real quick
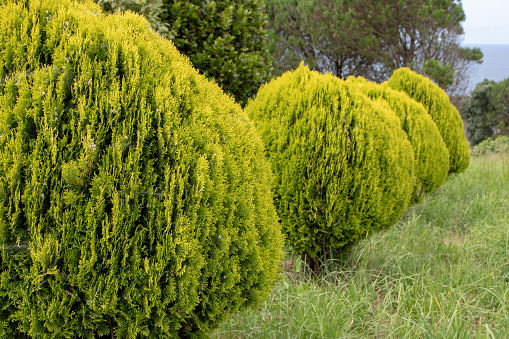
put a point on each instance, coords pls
(139, 200)
(350, 156)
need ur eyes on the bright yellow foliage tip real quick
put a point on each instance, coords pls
(443, 113)
(343, 166)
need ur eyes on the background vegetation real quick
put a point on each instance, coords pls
(235, 41)
(486, 111)
(492, 146)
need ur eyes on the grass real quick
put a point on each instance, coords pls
(440, 272)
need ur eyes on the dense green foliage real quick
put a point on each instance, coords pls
(224, 39)
(491, 146)
(343, 166)
(370, 38)
(135, 196)
(486, 111)
(443, 113)
(443, 75)
(499, 99)
(475, 112)
(431, 155)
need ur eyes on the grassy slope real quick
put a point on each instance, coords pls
(441, 272)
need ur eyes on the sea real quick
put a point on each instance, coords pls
(495, 64)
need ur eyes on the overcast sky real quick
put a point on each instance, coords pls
(487, 22)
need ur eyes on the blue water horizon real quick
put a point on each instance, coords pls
(495, 64)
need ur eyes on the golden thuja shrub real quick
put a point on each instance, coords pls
(431, 155)
(443, 113)
(135, 196)
(343, 166)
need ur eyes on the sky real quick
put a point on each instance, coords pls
(487, 22)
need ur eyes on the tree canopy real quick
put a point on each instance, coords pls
(327, 35)
(371, 38)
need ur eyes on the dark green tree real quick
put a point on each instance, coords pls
(224, 39)
(424, 35)
(326, 35)
(475, 112)
(498, 118)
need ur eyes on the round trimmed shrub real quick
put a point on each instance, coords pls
(439, 107)
(431, 155)
(343, 166)
(134, 194)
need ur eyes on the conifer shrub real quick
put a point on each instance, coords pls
(134, 194)
(431, 155)
(443, 113)
(343, 166)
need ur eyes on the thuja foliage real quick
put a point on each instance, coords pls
(431, 155)
(343, 166)
(134, 194)
(443, 113)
